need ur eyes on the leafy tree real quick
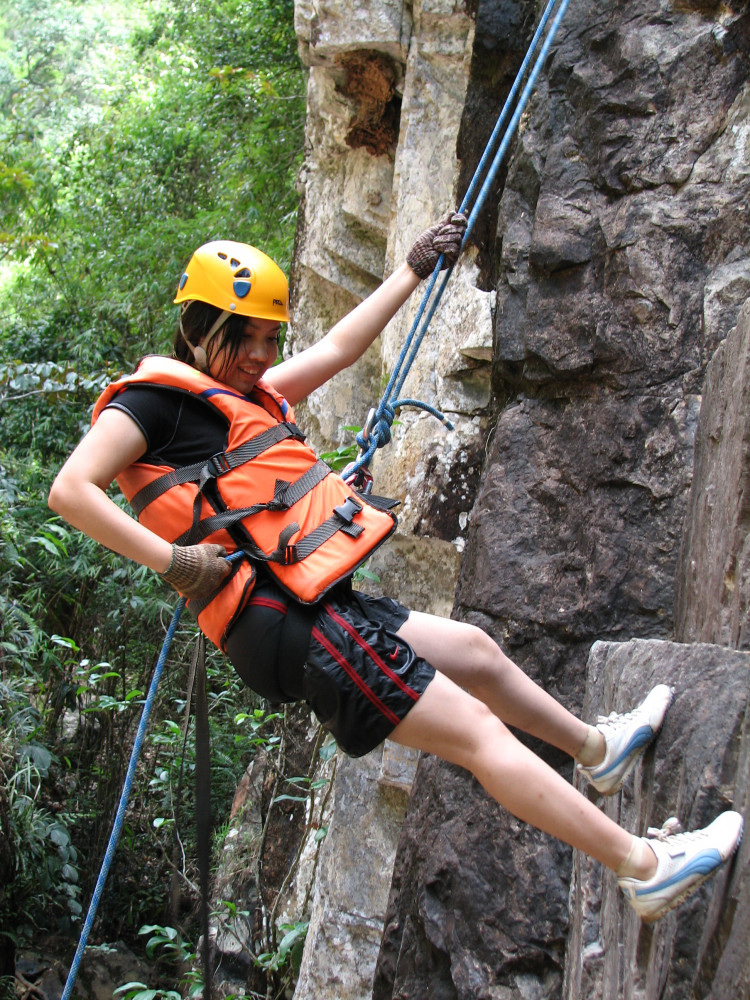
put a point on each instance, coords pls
(129, 134)
(196, 134)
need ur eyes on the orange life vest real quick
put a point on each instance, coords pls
(266, 493)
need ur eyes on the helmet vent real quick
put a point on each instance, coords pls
(223, 256)
(243, 273)
(234, 262)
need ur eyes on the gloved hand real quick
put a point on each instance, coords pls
(444, 237)
(197, 570)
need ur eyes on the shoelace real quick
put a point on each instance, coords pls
(615, 720)
(670, 828)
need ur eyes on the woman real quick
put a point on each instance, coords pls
(205, 447)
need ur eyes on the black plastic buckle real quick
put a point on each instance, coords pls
(348, 510)
(219, 464)
(216, 466)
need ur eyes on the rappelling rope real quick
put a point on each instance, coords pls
(124, 796)
(377, 430)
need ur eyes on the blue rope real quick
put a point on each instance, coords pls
(125, 795)
(377, 431)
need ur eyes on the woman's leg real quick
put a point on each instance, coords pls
(449, 722)
(471, 659)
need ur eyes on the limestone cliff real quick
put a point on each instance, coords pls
(620, 263)
(571, 353)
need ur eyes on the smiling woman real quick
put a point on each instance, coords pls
(238, 291)
(242, 360)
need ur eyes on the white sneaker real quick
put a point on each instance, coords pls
(626, 736)
(685, 861)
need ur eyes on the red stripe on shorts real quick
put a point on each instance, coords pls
(352, 673)
(371, 652)
(268, 602)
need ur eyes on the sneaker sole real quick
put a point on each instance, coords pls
(693, 887)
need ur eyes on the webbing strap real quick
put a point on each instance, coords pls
(293, 647)
(217, 465)
(287, 554)
(340, 520)
(123, 803)
(285, 496)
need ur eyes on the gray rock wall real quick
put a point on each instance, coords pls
(620, 263)
(608, 267)
(386, 92)
(713, 579)
(697, 768)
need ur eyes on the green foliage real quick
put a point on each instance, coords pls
(123, 151)
(344, 454)
(139, 991)
(129, 134)
(44, 891)
(289, 950)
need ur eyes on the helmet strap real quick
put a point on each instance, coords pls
(199, 352)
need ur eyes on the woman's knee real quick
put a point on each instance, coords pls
(451, 723)
(485, 661)
(482, 731)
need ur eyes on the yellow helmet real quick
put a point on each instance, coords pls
(236, 278)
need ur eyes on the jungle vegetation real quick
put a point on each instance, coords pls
(130, 133)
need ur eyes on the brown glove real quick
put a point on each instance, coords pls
(443, 238)
(197, 570)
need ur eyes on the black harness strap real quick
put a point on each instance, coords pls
(293, 647)
(196, 699)
(217, 465)
(285, 496)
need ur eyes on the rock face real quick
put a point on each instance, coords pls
(697, 768)
(608, 268)
(348, 910)
(713, 579)
(620, 262)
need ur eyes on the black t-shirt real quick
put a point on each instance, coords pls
(180, 428)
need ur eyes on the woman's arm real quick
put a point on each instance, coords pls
(346, 341)
(78, 493)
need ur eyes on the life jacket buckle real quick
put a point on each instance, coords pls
(219, 464)
(216, 466)
(348, 510)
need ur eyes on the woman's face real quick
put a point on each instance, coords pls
(257, 351)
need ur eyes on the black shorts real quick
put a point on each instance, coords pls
(359, 678)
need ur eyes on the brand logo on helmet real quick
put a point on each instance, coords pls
(278, 302)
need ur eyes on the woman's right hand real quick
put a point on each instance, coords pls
(197, 571)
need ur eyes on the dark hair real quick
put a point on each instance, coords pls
(197, 318)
